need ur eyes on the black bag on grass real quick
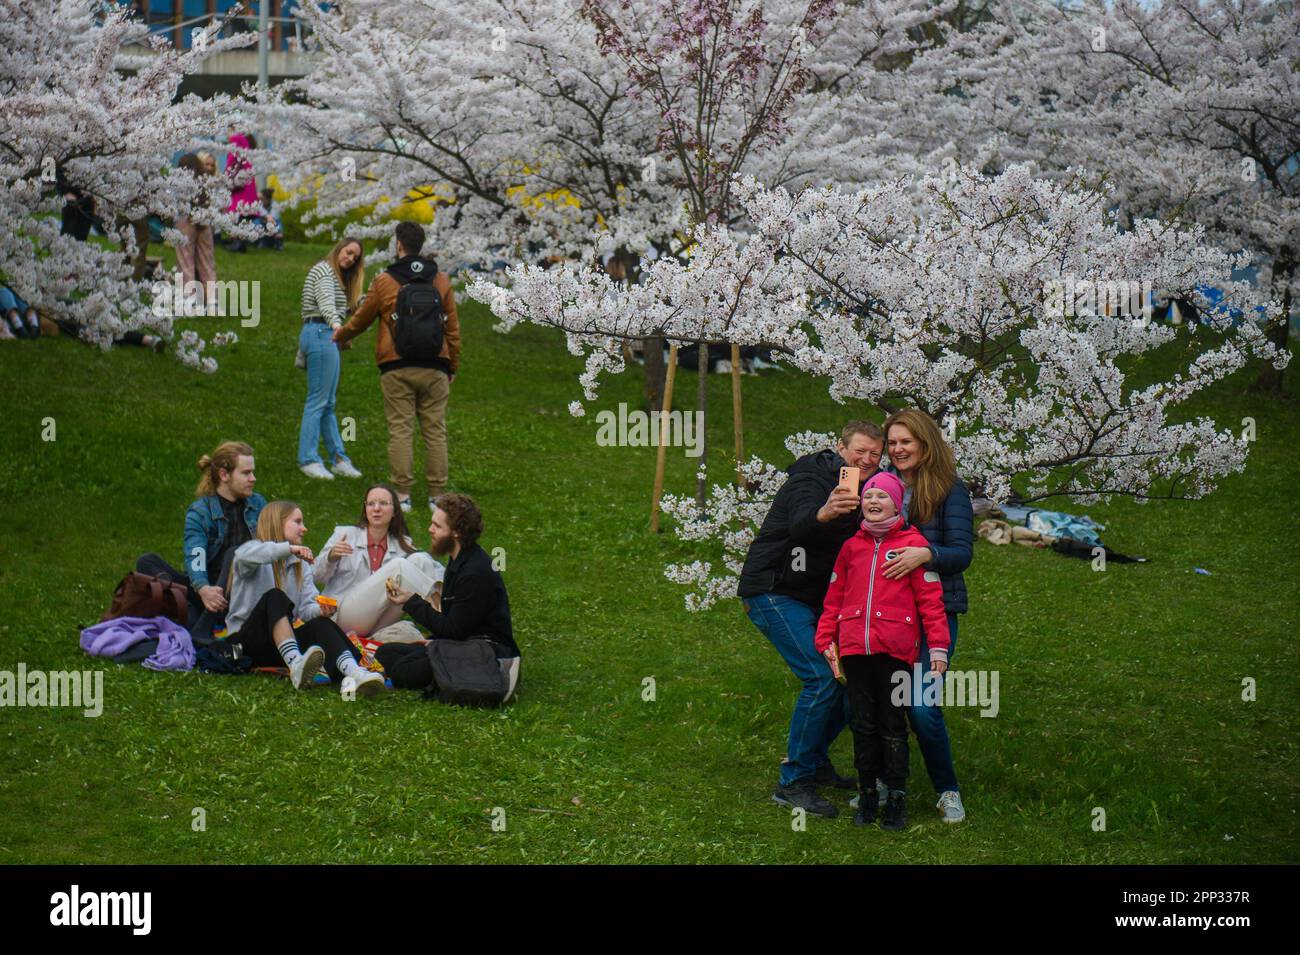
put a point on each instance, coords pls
(466, 672)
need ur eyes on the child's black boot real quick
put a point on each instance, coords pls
(895, 815)
(868, 804)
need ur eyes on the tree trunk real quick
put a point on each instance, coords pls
(1270, 378)
(737, 420)
(662, 439)
(653, 351)
(141, 227)
(702, 481)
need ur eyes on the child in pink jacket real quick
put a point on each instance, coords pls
(871, 625)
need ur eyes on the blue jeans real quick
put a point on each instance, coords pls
(927, 723)
(322, 385)
(822, 709)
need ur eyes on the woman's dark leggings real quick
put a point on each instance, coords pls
(255, 636)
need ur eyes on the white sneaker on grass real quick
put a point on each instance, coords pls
(316, 470)
(882, 793)
(950, 807)
(405, 504)
(366, 685)
(345, 468)
(304, 669)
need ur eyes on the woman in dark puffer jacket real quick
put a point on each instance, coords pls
(937, 503)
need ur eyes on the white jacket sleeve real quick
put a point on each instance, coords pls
(324, 569)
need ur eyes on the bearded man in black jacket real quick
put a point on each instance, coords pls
(782, 585)
(473, 602)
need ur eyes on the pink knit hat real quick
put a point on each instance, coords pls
(888, 483)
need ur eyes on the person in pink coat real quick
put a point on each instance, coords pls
(870, 632)
(243, 198)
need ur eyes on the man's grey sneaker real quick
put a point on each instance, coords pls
(316, 470)
(803, 795)
(345, 468)
(894, 818)
(304, 669)
(866, 813)
(827, 776)
(950, 806)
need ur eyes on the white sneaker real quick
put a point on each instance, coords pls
(950, 807)
(367, 685)
(512, 678)
(405, 504)
(345, 469)
(304, 669)
(316, 470)
(881, 790)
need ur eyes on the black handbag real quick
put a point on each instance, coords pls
(466, 672)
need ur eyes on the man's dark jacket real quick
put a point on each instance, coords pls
(474, 603)
(793, 553)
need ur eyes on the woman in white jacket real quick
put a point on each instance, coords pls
(269, 589)
(359, 559)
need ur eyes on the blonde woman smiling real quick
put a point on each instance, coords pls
(332, 289)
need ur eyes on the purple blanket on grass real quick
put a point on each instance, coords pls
(108, 639)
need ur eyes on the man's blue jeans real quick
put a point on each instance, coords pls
(322, 385)
(927, 723)
(822, 709)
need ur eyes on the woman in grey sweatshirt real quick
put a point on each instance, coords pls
(270, 586)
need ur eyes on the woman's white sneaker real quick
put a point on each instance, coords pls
(367, 685)
(950, 806)
(344, 468)
(304, 669)
(316, 470)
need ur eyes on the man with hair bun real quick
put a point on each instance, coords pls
(223, 516)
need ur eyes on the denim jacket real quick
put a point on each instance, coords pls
(205, 529)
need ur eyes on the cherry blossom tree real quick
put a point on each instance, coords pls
(83, 109)
(994, 303)
(541, 124)
(1190, 109)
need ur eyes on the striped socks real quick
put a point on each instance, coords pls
(348, 665)
(289, 651)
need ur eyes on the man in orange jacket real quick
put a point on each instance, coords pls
(413, 387)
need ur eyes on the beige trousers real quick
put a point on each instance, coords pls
(411, 394)
(196, 259)
(366, 607)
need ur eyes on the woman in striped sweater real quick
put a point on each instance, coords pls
(332, 290)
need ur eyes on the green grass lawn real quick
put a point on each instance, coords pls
(1120, 690)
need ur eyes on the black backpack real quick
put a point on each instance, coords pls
(418, 321)
(466, 672)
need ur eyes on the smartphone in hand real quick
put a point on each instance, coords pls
(849, 478)
(833, 658)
